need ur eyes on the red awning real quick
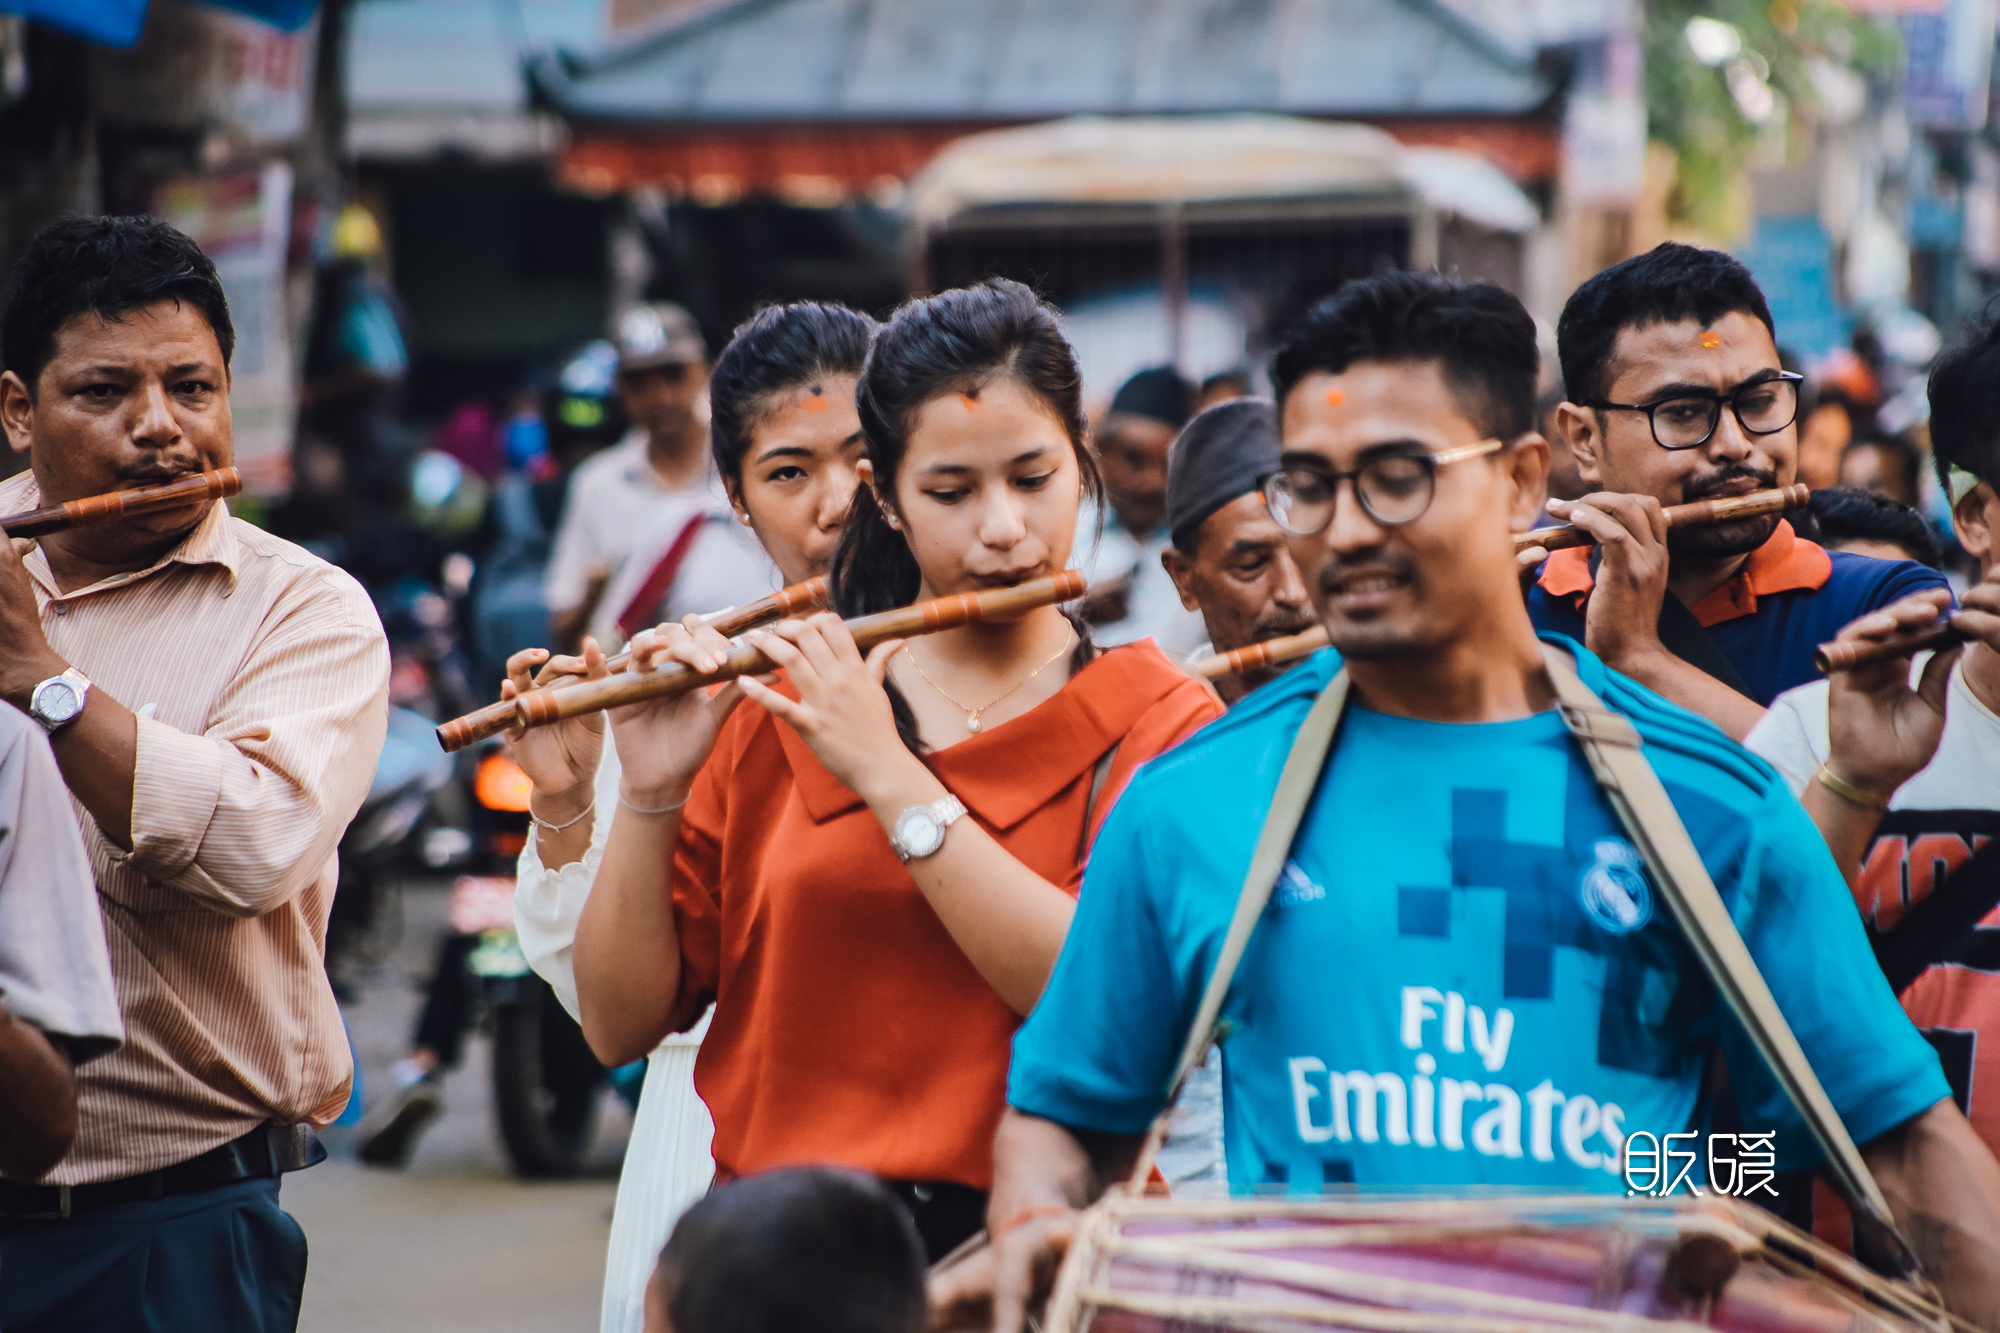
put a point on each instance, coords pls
(821, 164)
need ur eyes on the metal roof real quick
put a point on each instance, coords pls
(738, 61)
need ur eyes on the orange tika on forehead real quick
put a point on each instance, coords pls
(1335, 397)
(1711, 339)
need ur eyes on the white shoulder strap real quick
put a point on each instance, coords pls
(1274, 843)
(1611, 745)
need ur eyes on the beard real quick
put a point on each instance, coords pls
(1280, 627)
(1711, 541)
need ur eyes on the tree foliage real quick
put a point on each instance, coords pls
(1690, 105)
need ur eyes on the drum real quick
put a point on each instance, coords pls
(1463, 1265)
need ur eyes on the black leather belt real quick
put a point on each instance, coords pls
(264, 1152)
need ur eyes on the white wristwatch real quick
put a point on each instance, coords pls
(56, 702)
(920, 829)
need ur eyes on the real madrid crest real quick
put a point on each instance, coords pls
(1615, 891)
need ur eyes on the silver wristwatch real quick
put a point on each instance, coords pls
(920, 829)
(57, 701)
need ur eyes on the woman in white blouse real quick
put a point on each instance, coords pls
(786, 439)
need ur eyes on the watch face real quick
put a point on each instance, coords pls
(58, 702)
(919, 833)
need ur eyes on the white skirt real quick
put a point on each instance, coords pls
(667, 1168)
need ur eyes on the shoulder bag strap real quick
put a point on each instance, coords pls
(1274, 843)
(1611, 745)
(645, 604)
(1100, 773)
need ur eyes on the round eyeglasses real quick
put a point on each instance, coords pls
(1393, 488)
(1687, 421)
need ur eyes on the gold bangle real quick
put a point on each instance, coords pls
(1847, 791)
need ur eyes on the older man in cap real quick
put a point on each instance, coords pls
(1130, 596)
(647, 521)
(1228, 559)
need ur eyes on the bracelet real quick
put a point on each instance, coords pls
(1034, 1213)
(1847, 791)
(558, 828)
(642, 810)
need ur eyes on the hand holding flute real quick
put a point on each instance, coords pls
(114, 505)
(1757, 504)
(1881, 729)
(561, 672)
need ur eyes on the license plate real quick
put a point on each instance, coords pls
(498, 954)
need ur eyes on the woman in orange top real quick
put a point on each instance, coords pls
(804, 863)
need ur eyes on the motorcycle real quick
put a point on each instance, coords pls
(377, 842)
(545, 1079)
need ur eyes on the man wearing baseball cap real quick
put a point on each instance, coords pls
(1228, 558)
(653, 499)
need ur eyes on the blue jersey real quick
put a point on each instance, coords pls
(1791, 597)
(1465, 975)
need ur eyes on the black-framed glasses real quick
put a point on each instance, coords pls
(1687, 420)
(1393, 488)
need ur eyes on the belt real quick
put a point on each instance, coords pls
(266, 1151)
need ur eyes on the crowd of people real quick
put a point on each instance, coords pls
(920, 942)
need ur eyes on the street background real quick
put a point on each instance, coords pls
(454, 1243)
(428, 214)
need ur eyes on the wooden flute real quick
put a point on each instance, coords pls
(541, 707)
(495, 718)
(1270, 653)
(114, 505)
(1845, 655)
(1756, 504)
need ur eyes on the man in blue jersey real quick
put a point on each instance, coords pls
(1465, 976)
(1676, 395)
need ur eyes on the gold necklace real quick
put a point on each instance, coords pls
(972, 714)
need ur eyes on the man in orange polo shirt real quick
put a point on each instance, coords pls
(1676, 395)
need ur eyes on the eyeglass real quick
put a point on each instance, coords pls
(1686, 421)
(1393, 488)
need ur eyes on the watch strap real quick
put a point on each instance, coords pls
(78, 684)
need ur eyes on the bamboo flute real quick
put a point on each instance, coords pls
(1255, 657)
(1757, 504)
(541, 707)
(495, 718)
(1846, 655)
(114, 505)
(545, 706)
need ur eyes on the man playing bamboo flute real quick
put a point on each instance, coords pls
(1676, 395)
(1466, 975)
(215, 699)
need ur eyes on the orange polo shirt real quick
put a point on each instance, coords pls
(849, 1028)
(1788, 596)
(1786, 562)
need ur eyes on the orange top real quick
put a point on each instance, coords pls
(849, 1028)
(1784, 563)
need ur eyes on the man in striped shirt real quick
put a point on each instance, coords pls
(216, 700)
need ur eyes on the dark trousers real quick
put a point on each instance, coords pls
(947, 1215)
(225, 1260)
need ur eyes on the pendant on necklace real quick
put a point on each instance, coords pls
(972, 720)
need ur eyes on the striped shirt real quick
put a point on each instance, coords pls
(260, 676)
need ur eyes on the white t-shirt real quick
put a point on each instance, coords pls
(617, 512)
(1964, 775)
(55, 970)
(1935, 822)
(1153, 606)
(726, 566)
